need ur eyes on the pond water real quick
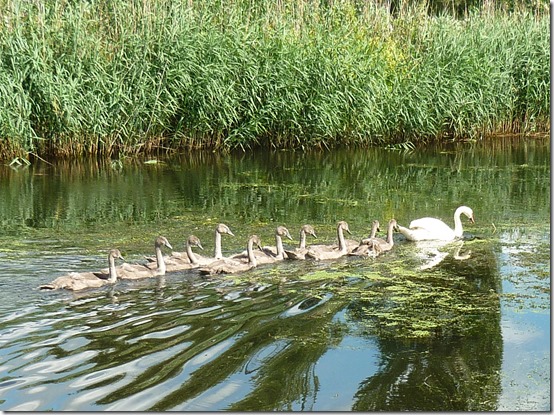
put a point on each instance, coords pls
(417, 328)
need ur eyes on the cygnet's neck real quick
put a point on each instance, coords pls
(251, 257)
(217, 249)
(160, 260)
(374, 228)
(302, 239)
(342, 241)
(390, 241)
(279, 245)
(191, 254)
(112, 270)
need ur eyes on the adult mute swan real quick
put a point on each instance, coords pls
(426, 229)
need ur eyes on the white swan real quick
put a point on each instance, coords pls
(426, 229)
(80, 280)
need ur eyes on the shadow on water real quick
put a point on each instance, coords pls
(414, 329)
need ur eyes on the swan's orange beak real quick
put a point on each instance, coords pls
(471, 219)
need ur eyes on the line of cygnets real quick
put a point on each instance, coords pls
(419, 230)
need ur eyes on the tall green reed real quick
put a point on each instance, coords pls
(133, 76)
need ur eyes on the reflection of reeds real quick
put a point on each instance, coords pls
(193, 193)
(105, 78)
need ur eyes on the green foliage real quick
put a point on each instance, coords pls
(103, 77)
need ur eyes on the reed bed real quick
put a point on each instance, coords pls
(137, 76)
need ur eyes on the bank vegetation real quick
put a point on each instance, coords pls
(125, 77)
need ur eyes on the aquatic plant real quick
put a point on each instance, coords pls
(102, 78)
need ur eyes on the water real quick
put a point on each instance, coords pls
(415, 329)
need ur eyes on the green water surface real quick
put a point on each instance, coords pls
(414, 329)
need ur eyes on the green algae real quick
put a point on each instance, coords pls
(393, 299)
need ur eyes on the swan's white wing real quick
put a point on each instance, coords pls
(431, 228)
(431, 224)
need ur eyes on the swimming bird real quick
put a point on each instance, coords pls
(269, 254)
(364, 248)
(233, 266)
(425, 229)
(220, 230)
(376, 245)
(179, 257)
(300, 252)
(192, 261)
(80, 280)
(136, 271)
(320, 252)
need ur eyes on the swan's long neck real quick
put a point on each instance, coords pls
(251, 257)
(112, 271)
(373, 231)
(389, 234)
(302, 239)
(191, 255)
(279, 245)
(217, 251)
(458, 229)
(160, 261)
(342, 241)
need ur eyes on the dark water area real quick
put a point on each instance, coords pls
(459, 326)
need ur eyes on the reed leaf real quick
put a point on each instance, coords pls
(128, 77)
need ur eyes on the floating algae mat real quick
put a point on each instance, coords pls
(392, 298)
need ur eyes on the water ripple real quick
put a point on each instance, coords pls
(307, 305)
(144, 399)
(162, 334)
(61, 364)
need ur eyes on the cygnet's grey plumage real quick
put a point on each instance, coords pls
(300, 252)
(363, 249)
(137, 271)
(76, 281)
(322, 252)
(375, 246)
(192, 261)
(270, 254)
(233, 266)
